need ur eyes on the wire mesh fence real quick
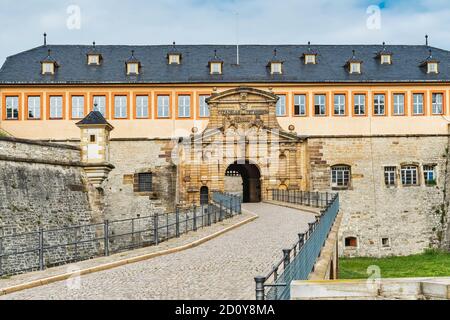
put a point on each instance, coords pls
(20, 253)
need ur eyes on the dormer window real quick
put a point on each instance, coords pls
(310, 59)
(133, 65)
(48, 68)
(48, 65)
(216, 68)
(215, 64)
(276, 68)
(385, 59)
(310, 56)
(275, 64)
(433, 67)
(93, 59)
(174, 56)
(133, 68)
(431, 64)
(174, 59)
(354, 65)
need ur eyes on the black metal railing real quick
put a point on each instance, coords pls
(20, 253)
(298, 261)
(305, 198)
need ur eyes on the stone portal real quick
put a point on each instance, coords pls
(243, 134)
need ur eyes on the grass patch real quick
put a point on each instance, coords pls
(430, 264)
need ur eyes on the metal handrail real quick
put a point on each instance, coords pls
(298, 261)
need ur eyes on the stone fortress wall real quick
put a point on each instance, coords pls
(408, 218)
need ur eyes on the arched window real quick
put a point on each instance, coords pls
(340, 176)
(351, 242)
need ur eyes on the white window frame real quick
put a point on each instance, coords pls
(410, 173)
(184, 106)
(48, 68)
(78, 104)
(300, 104)
(276, 68)
(355, 67)
(379, 105)
(320, 104)
(12, 108)
(281, 106)
(437, 104)
(359, 105)
(142, 106)
(56, 107)
(390, 176)
(399, 104)
(339, 104)
(163, 106)
(433, 67)
(174, 59)
(93, 59)
(386, 59)
(133, 68)
(204, 111)
(99, 104)
(216, 68)
(310, 59)
(418, 104)
(120, 107)
(340, 176)
(34, 107)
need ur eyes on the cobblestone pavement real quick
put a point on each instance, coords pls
(222, 268)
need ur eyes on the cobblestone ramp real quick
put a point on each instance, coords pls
(222, 268)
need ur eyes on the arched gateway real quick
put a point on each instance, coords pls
(244, 179)
(243, 136)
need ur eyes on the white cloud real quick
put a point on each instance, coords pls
(213, 21)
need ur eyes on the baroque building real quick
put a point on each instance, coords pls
(166, 126)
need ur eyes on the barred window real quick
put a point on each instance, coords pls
(340, 176)
(409, 175)
(429, 173)
(390, 176)
(145, 182)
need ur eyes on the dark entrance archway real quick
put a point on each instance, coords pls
(204, 195)
(251, 180)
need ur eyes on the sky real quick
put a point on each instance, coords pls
(22, 23)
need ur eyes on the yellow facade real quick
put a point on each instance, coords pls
(309, 125)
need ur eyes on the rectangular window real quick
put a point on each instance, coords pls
(390, 174)
(359, 104)
(142, 107)
(12, 108)
(56, 109)
(184, 106)
(429, 173)
(120, 107)
(409, 176)
(300, 105)
(145, 182)
(379, 104)
(216, 68)
(340, 176)
(418, 103)
(281, 106)
(438, 103)
(34, 107)
(320, 106)
(399, 104)
(100, 105)
(77, 107)
(163, 106)
(339, 104)
(204, 107)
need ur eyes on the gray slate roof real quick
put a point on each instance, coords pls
(25, 68)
